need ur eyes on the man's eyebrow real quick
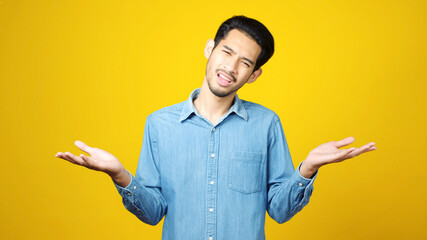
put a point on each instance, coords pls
(228, 48)
(231, 50)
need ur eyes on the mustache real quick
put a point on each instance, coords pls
(226, 72)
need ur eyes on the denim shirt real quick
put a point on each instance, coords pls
(215, 181)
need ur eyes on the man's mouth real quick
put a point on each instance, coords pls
(224, 79)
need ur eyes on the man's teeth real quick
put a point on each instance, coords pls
(225, 77)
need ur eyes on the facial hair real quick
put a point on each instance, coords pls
(223, 93)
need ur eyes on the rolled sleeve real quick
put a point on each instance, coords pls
(304, 185)
(126, 191)
(145, 203)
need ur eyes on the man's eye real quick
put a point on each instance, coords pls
(246, 64)
(226, 52)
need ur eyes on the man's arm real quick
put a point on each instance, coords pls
(288, 190)
(145, 202)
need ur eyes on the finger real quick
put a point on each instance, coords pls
(344, 142)
(75, 159)
(90, 162)
(372, 148)
(366, 147)
(360, 150)
(343, 153)
(65, 157)
(60, 155)
(348, 151)
(369, 147)
(85, 148)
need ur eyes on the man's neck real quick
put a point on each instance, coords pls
(211, 106)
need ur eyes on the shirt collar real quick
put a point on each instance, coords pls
(189, 108)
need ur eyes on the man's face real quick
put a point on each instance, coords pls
(231, 64)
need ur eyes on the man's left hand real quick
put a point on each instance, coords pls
(330, 153)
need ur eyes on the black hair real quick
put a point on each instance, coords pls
(255, 30)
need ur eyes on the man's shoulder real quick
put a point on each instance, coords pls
(258, 109)
(169, 112)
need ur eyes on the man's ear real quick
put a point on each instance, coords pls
(209, 47)
(254, 75)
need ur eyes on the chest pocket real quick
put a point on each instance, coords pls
(245, 172)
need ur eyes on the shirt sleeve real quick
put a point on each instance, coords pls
(288, 191)
(143, 196)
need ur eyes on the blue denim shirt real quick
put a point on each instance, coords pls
(215, 181)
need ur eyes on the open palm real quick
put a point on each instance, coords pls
(330, 152)
(99, 159)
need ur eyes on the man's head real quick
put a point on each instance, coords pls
(255, 30)
(241, 46)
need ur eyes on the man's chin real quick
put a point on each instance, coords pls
(220, 93)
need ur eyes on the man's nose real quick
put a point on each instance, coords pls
(232, 65)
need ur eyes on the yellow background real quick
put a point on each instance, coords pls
(93, 71)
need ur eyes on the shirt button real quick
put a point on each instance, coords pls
(213, 155)
(134, 187)
(212, 182)
(210, 238)
(300, 184)
(129, 193)
(210, 209)
(213, 129)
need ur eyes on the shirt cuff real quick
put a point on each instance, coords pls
(298, 169)
(302, 181)
(128, 189)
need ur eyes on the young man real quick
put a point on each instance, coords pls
(213, 165)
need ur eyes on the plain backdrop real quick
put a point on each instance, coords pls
(94, 70)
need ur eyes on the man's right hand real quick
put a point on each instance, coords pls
(99, 160)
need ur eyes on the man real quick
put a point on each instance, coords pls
(213, 165)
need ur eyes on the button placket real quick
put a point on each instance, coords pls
(212, 174)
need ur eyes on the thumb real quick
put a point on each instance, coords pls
(346, 141)
(85, 148)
